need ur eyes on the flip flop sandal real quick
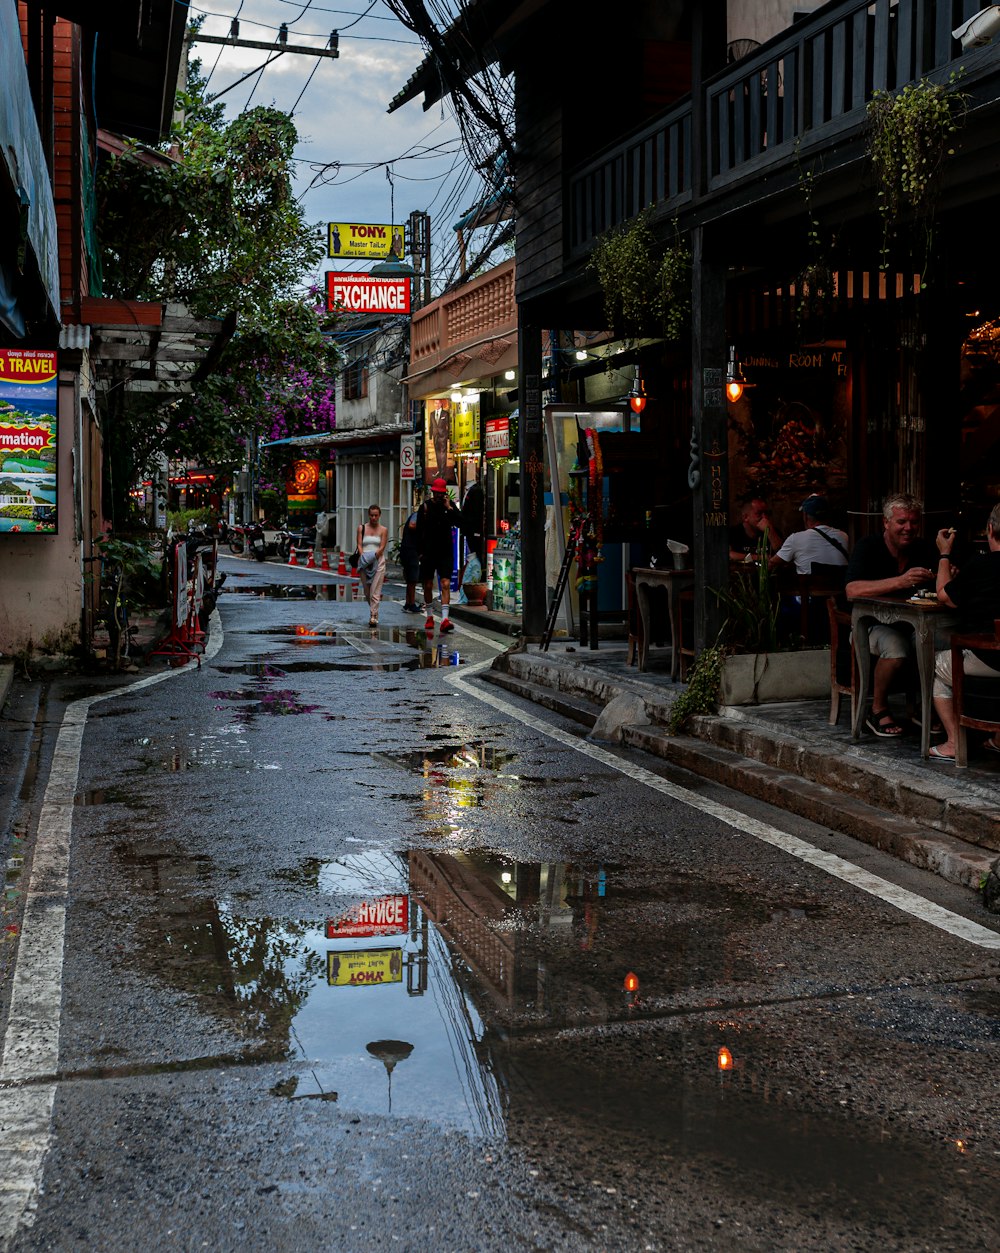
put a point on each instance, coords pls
(884, 725)
(934, 752)
(991, 747)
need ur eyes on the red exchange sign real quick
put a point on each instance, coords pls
(361, 293)
(386, 915)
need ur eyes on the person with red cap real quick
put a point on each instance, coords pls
(435, 519)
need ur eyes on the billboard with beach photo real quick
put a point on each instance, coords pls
(28, 432)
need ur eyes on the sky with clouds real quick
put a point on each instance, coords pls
(349, 146)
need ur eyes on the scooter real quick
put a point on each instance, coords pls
(248, 537)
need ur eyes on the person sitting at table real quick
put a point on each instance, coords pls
(896, 562)
(819, 544)
(745, 537)
(975, 592)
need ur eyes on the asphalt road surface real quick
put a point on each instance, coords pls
(330, 944)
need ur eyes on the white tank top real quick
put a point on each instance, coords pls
(369, 543)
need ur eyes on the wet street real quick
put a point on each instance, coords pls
(359, 951)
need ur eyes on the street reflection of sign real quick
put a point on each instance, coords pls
(363, 967)
(388, 915)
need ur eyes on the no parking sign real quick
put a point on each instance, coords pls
(408, 457)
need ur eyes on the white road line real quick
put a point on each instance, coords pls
(31, 1043)
(838, 867)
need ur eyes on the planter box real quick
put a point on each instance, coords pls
(760, 678)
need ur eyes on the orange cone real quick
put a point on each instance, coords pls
(325, 563)
(311, 559)
(293, 557)
(342, 565)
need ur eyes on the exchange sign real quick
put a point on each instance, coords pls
(361, 293)
(359, 239)
(386, 915)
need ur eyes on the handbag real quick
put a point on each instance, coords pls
(355, 556)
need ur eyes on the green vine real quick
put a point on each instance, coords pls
(815, 283)
(701, 696)
(910, 134)
(640, 285)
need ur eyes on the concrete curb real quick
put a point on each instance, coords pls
(924, 821)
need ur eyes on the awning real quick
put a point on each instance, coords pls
(157, 349)
(345, 439)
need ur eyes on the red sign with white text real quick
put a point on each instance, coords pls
(361, 293)
(497, 437)
(386, 915)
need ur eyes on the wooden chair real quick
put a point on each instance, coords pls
(634, 621)
(975, 700)
(843, 663)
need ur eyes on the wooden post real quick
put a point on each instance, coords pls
(708, 472)
(530, 451)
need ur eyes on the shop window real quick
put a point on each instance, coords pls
(355, 381)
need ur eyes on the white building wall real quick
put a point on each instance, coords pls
(40, 582)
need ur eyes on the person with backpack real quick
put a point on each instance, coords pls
(819, 544)
(436, 518)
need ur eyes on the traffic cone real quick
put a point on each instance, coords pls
(293, 557)
(325, 563)
(342, 565)
(311, 559)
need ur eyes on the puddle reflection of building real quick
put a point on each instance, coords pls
(501, 917)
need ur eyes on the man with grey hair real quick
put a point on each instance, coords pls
(896, 562)
(975, 592)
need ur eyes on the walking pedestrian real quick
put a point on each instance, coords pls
(435, 519)
(371, 541)
(409, 559)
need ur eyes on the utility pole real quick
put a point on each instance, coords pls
(280, 45)
(419, 227)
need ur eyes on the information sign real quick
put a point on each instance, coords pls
(28, 428)
(361, 239)
(362, 293)
(408, 457)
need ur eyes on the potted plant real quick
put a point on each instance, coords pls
(759, 667)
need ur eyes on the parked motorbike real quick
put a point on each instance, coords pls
(248, 538)
(302, 540)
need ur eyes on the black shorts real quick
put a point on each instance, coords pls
(411, 566)
(440, 564)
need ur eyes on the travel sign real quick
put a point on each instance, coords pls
(359, 239)
(363, 293)
(28, 425)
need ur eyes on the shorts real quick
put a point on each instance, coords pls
(440, 564)
(893, 642)
(411, 566)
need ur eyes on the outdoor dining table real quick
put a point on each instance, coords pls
(675, 581)
(925, 616)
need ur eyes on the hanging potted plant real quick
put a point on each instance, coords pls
(910, 134)
(646, 289)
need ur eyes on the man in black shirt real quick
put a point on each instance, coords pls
(435, 519)
(754, 523)
(975, 592)
(894, 563)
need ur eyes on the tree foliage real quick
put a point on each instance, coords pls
(211, 221)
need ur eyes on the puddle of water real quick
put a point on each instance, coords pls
(109, 796)
(283, 591)
(407, 999)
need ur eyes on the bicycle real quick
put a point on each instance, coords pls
(112, 607)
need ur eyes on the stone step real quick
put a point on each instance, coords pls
(573, 708)
(910, 840)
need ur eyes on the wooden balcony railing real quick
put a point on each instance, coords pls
(805, 88)
(481, 309)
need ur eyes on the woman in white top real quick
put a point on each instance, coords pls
(371, 541)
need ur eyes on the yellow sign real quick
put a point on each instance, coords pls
(358, 239)
(466, 431)
(363, 967)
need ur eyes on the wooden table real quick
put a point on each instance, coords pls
(924, 617)
(675, 581)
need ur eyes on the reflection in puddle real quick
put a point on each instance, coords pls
(431, 988)
(456, 778)
(284, 591)
(262, 698)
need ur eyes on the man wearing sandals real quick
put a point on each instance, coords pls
(894, 563)
(975, 592)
